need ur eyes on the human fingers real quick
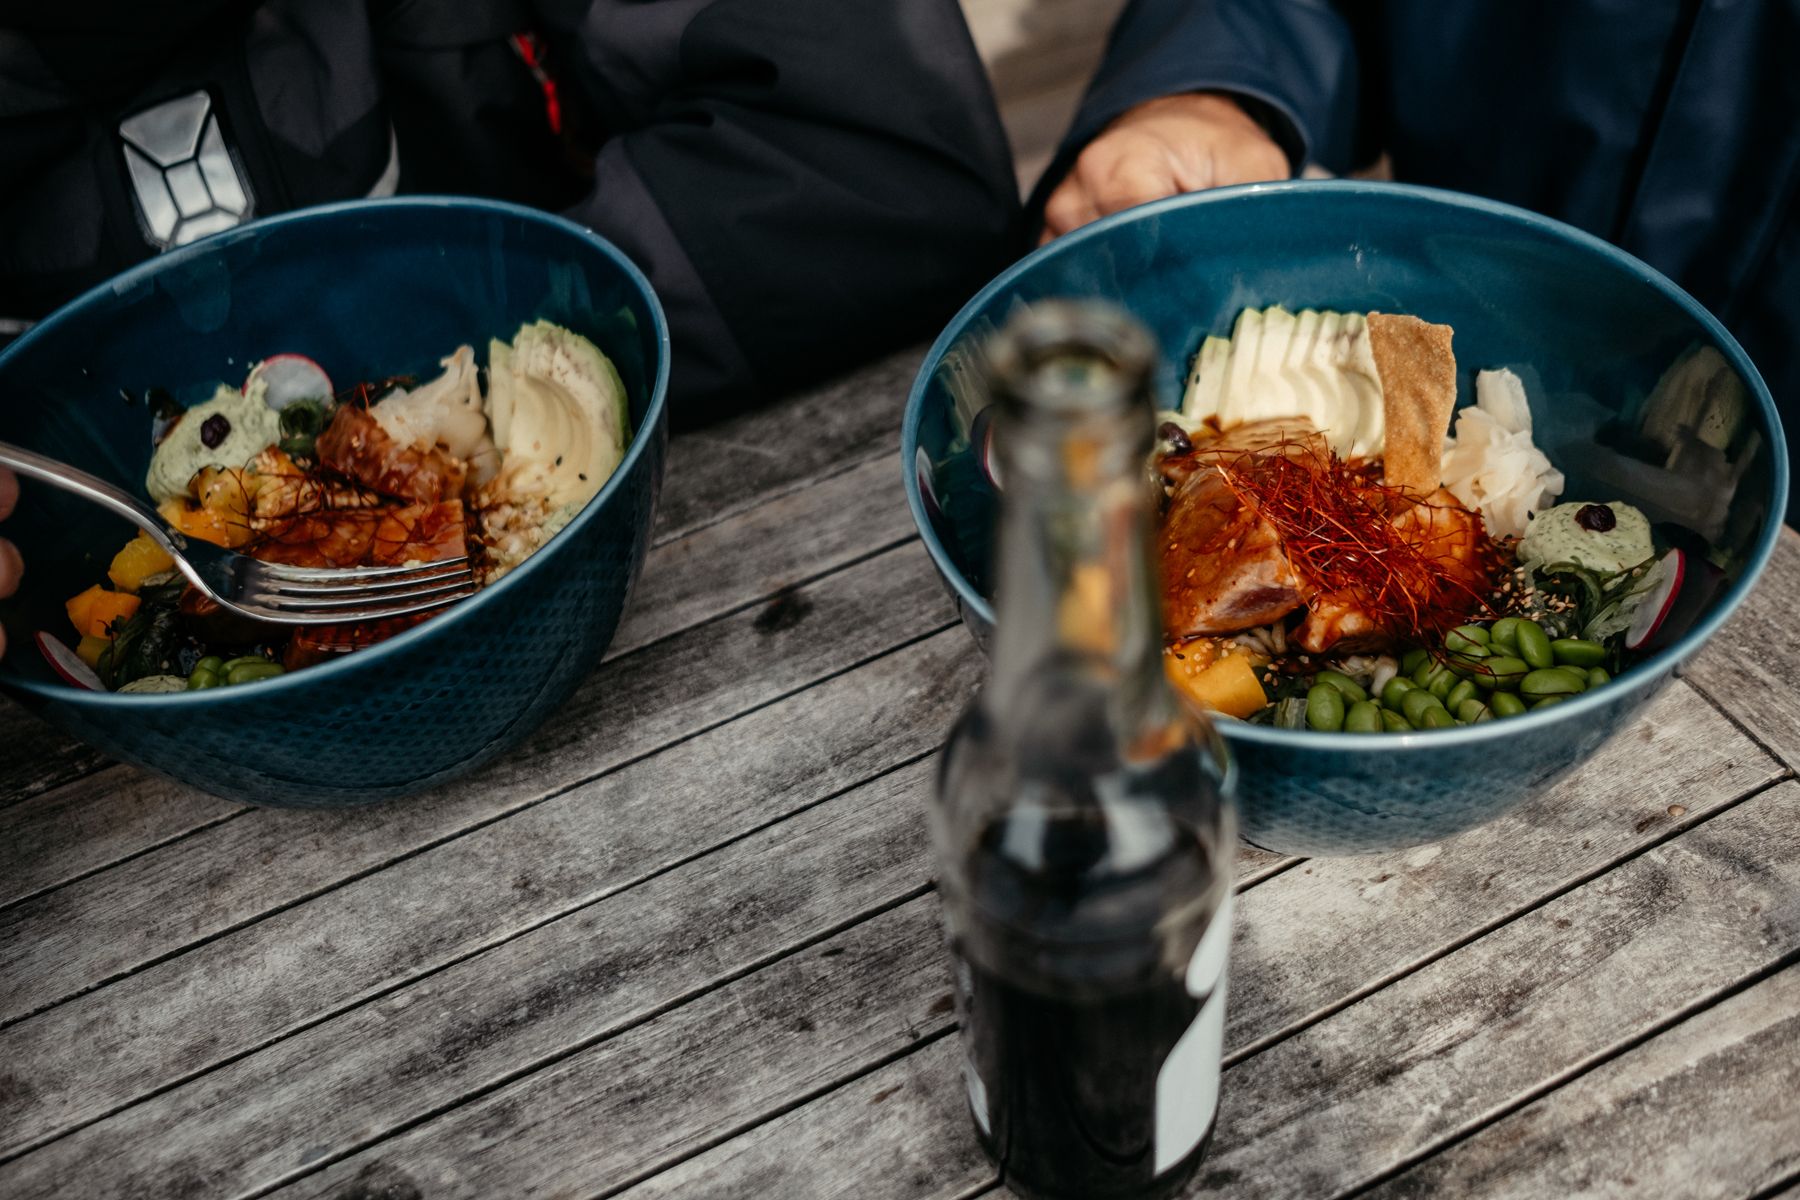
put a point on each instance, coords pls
(9, 492)
(1069, 208)
(12, 568)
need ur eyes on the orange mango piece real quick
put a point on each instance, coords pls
(94, 611)
(140, 559)
(1229, 685)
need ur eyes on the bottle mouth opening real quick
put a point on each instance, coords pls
(1071, 358)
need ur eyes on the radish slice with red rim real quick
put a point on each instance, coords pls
(66, 663)
(290, 377)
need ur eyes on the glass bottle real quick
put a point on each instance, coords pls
(1081, 825)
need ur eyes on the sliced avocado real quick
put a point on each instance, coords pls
(1274, 395)
(1207, 382)
(1246, 338)
(1297, 367)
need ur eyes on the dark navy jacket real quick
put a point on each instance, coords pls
(1671, 127)
(804, 181)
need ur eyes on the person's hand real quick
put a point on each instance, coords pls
(11, 565)
(1163, 147)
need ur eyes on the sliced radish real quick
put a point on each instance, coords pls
(67, 663)
(1658, 600)
(290, 377)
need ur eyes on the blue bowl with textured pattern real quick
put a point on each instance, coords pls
(368, 289)
(1595, 327)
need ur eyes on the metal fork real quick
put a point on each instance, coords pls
(259, 590)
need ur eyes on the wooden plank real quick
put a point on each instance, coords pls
(536, 999)
(1752, 668)
(1333, 929)
(165, 1022)
(59, 943)
(1565, 986)
(894, 1134)
(110, 816)
(748, 557)
(1701, 869)
(34, 757)
(1707, 1109)
(792, 444)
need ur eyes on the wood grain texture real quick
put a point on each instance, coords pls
(533, 999)
(1751, 669)
(1410, 1066)
(165, 1022)
(57, 944)
(35, 757)
(1570, 983)
(663, 1090)
(1322, 933)
(1705, 1110)
(895, 1134)
(725, 468)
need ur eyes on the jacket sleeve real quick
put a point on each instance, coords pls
(806, 182)
(1294, 59)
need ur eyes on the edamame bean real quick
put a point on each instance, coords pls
(1364, 717)
(1471, 711)
(1409, 662)
(250, 672)
(1504, 636)
(1548, 701)
(1416, 703)
(1578, 652)
(1577, 674)
(1464, 690)
(1324, 708)
(1395, 691)
(1597, 676)
(1534, 645)
(209, 672)
(1349, 687)
(1393, 722)
(1439, 680)
(1437, 718)
(1506, 704)
(1501, 671)
(1462, 641)
(1549, 681)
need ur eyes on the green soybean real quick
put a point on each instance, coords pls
(1502, 671)
(1504, 636)
(1549, 681)
(1439, 680)
(1578, 652)
(1343, 683)
(250, 672)
(1437, 718)
(1464, 690)
(1461, 641)
(1324, 708)
(1597, 676)
(1548, 701)
(1471, 711)
(1506, 704)
(1416, 703)
(1534, 645)
(1409, 662)
(1577, 674)
(207, 673)
(1393, 722)
(1364, 717)
(1395, 691)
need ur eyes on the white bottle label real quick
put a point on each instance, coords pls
(1187, 1087)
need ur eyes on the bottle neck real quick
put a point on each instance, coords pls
(1076, 589)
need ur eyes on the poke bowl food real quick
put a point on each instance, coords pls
(1448, 490)
(401, 381)
(480, 463)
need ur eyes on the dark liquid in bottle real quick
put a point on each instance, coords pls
(1077, 1080)
(1074, 993)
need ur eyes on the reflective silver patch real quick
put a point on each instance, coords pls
(182, 174)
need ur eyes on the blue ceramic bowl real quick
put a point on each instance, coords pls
(368, 289)
(1595, 326)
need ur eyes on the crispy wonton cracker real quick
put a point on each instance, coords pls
(1418, 394)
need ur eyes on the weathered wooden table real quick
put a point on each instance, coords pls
(684, 943)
